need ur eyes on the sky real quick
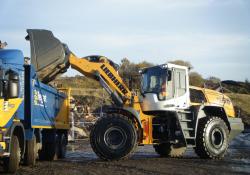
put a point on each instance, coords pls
(213, 35)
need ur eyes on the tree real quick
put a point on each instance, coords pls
(214, 79)
(247, 85)
(195, 79)
(129, 71)
(212, 82)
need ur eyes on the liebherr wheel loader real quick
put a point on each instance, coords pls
(169, 114)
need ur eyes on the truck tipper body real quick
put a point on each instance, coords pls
(34, 117)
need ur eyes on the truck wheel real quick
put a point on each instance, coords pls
(169, 150)
(31, 152)
(48, 152)
(11, 164)
(62, 146)
(113, 137)
(212, 138)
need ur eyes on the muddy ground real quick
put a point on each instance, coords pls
(81, 160)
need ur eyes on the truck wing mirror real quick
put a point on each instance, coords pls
(10, 85)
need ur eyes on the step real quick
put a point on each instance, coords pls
(190, 146)
(188, 129)
(186, 112)
(185, 120)
(189, 137)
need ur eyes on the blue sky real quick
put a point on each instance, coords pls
(214, 35)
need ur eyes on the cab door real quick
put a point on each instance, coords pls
(181, 86)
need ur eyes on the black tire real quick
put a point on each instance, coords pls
(48, 151)
(169, 150)
(212, 138)
(31, 152)
(113, 137)
(62, 146)
(49, 146)
(11, 164)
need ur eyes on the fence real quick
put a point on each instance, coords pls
(80, 129)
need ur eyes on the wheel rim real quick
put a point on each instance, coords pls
(115, 137)
(217, 138)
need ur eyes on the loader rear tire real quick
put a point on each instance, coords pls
(169, 150)
(212, 138)
(113, 137)
(11, 164)
(31, 152)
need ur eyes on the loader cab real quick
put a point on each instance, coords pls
(164, 88)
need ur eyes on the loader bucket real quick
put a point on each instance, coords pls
(49, 56)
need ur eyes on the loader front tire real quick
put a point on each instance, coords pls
(212, 138)
(113, 137)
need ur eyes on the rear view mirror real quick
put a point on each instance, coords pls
(11, 85)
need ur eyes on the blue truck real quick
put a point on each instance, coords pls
(34, 117)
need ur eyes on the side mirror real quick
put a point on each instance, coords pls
(13, 90)
(11, 85)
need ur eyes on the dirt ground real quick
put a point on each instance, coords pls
(81, 160)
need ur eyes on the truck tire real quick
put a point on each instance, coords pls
(11, 164)
(31, 152)
(113, 137)
(212, 138)
(62, 146)
(48, 151)
(169, 150)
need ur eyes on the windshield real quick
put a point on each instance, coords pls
(154, 80)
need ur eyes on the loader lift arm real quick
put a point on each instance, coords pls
(51, 58)
(101, 69)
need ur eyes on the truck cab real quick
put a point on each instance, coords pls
(11, 94)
